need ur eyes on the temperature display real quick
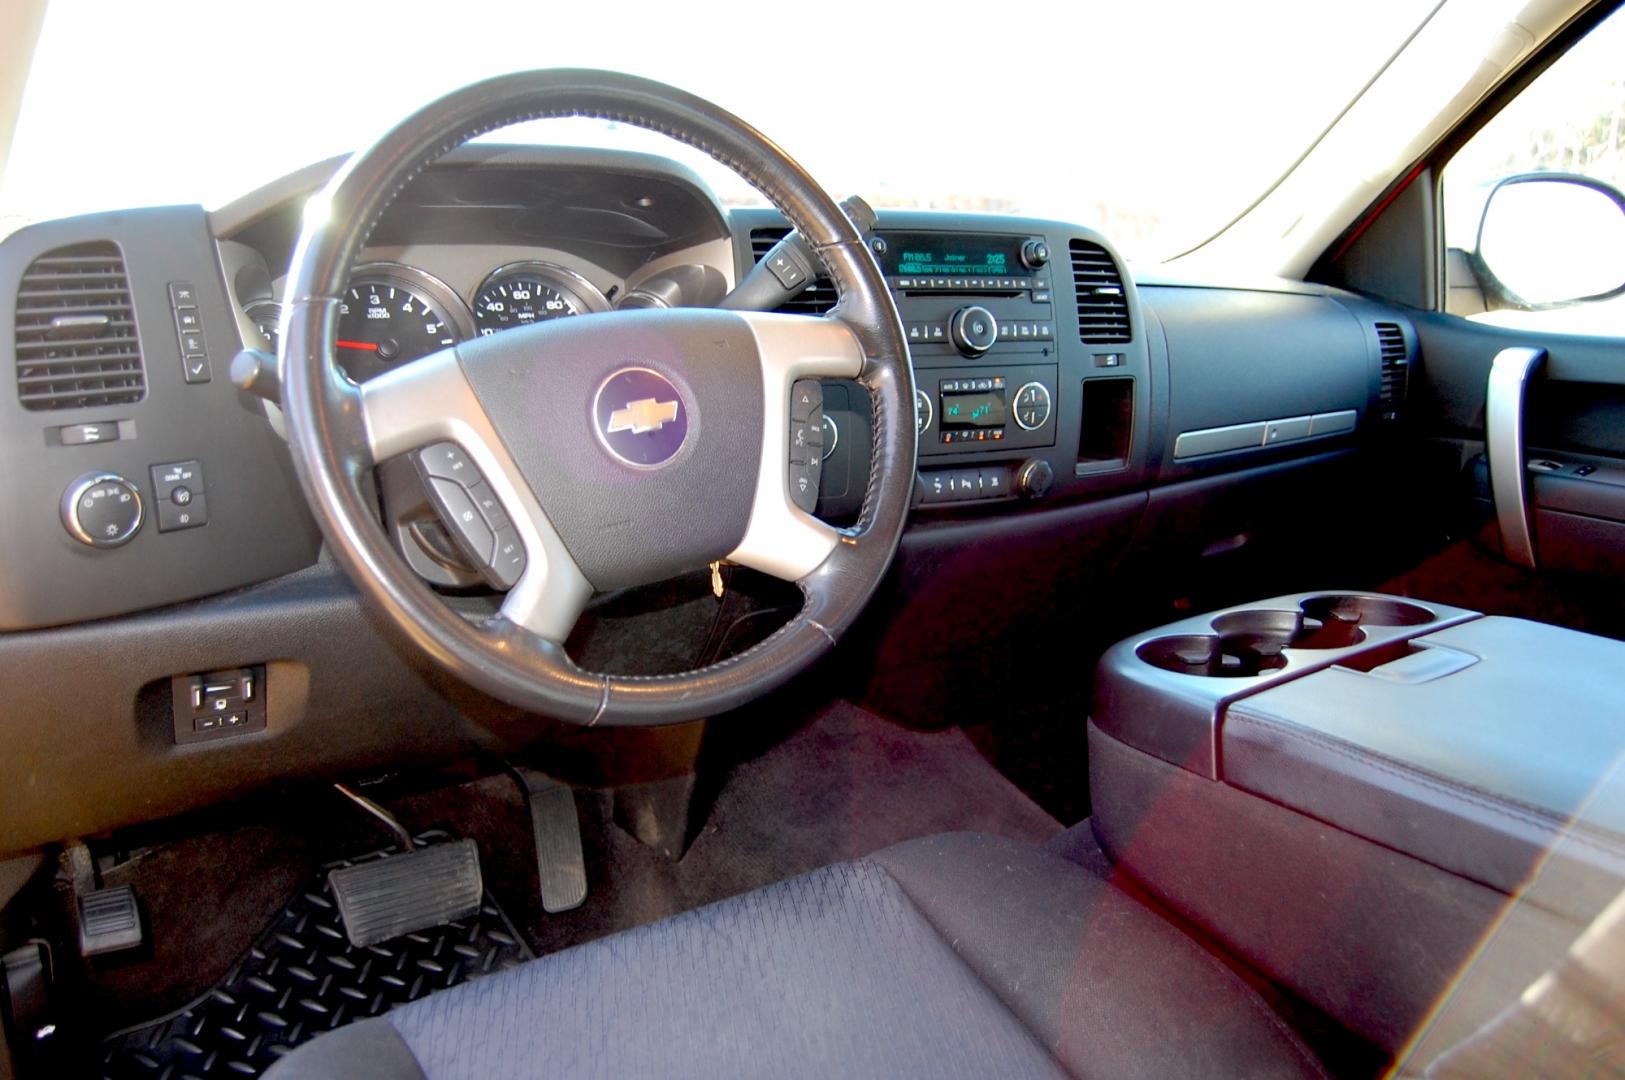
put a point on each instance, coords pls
(973, 410)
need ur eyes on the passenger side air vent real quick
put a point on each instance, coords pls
(1102, 303)
(1396, 368)
(76, 340)
(816, 298)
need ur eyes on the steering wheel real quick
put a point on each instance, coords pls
(624, 448)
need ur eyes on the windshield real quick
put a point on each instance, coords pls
(1155, 122)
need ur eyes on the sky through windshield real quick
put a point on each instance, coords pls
(1156, 122)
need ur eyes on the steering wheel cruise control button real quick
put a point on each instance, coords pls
(472, 513)
(489, 505)
(468, 524)
(102, 510)
(447, 461)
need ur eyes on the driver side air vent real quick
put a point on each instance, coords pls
(1396, 367)
(1102, 303)
(76, 343)
(815, 299)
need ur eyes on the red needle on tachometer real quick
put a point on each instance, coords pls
(369, 346)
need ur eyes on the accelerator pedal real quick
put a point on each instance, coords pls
(560, 864)
(415, 890)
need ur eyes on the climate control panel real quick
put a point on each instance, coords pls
(960, 410)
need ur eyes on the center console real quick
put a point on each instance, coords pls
(1348, 789)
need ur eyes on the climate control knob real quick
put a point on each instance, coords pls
(1034, 478)
(973, 329)
(102, 510)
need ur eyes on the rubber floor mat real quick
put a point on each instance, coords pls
(302, 978)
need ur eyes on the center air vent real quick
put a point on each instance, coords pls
(1396, 367)
(1102, 303)
(816, 298)
(76, 340)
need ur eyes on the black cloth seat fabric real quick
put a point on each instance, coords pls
(951, 956)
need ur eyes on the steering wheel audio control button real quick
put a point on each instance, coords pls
(102, 510)
(806, 399)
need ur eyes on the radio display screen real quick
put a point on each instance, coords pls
(982, 410)
(952, 254)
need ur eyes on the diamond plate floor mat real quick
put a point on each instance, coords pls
(302, 978)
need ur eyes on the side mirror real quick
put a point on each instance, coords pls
(1552, 239)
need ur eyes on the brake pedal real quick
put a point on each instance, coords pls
(109, 921)
(415, 890)
(560, 864)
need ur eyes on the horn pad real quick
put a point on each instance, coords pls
(640, 433)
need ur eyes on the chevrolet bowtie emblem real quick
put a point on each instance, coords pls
(640, 417)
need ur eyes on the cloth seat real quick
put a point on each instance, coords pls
(951, 956)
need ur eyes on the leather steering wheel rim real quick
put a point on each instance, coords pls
(334, 431)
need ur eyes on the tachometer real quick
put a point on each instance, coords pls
(391, 314)
(525, 293)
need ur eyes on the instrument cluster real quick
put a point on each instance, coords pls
(392, 314)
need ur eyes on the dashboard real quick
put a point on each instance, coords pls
(1075, 420)
(1046, 374)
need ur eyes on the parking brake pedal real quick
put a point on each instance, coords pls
(400, 894)
(560, 864)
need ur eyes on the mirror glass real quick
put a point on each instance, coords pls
(1552, 240)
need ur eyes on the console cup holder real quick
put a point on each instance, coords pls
(1209, 655)
(1352, 609)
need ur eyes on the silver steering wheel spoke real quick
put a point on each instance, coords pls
(430, 400)
(782, 539)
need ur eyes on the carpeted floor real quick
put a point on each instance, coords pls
(843, 784)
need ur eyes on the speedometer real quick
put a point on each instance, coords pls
(390, 315)
(525, 293)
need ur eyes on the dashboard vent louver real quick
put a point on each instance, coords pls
(816, 298)
(76, 343)
(1396, 367)
(1102, 301)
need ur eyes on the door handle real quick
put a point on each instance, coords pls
(1504, 442)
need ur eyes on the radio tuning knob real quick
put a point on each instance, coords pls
(1034, 478)
(1034, 253)
(973, 329)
